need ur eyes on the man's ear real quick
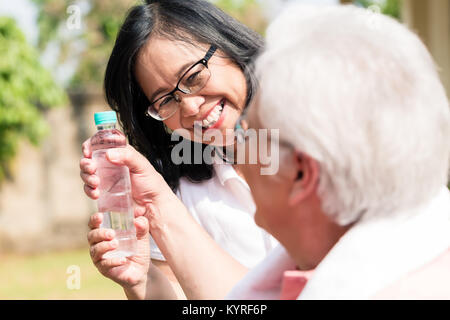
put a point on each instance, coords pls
(306, 180)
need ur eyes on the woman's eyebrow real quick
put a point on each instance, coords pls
(177, 75)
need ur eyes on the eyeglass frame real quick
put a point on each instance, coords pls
(204, 61)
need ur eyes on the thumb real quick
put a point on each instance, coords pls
(154, 217)
(142, 229)
(129, 157)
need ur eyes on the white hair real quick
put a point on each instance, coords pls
(359, 93)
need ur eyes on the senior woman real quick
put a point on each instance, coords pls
(360, 199)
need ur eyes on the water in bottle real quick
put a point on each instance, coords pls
(115, 200)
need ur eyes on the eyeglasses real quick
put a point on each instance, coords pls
(192, 81)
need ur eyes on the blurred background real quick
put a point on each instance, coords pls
(53, 55)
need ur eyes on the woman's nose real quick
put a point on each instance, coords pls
(190, 105)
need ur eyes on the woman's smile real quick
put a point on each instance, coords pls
(213, 118)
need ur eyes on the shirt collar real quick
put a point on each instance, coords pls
(264, 281)
(225, 172)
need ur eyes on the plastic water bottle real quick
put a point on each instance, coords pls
(115, 201)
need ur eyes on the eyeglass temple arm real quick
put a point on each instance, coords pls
(210, 52)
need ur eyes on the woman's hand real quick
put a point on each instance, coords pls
(131, 272)
(147, 184)
(187, 247)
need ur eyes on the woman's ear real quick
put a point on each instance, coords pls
(307, 178)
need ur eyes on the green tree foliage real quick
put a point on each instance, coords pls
(388, 7)
(100, 25)
(249, 12)
(26, 90)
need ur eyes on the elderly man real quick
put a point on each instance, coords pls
(360, 199)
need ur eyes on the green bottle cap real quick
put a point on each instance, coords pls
(105, 117)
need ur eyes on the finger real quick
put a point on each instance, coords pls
(129, 157)
(92, 193)
(98, 235)
(152, 214)
(88, 165)
(95, 220)
(98, 250)
(111, 263)
(91, 180)
(142, 228)
(86, 148)
(139, 211)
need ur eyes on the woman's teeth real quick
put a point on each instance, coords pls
(213, 116)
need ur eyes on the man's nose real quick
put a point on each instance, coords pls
(190, 105)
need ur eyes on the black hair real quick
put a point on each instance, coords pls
(172, 19)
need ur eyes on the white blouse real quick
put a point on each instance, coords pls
(224, 207)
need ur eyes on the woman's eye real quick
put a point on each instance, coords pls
(165, 101)
(192, 77)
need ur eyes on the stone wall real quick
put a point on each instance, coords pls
(43, 206)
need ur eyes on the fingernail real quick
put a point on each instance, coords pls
(114, 243)
(113, 154)
(110, 234)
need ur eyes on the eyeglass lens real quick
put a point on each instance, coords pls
(193, 81)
